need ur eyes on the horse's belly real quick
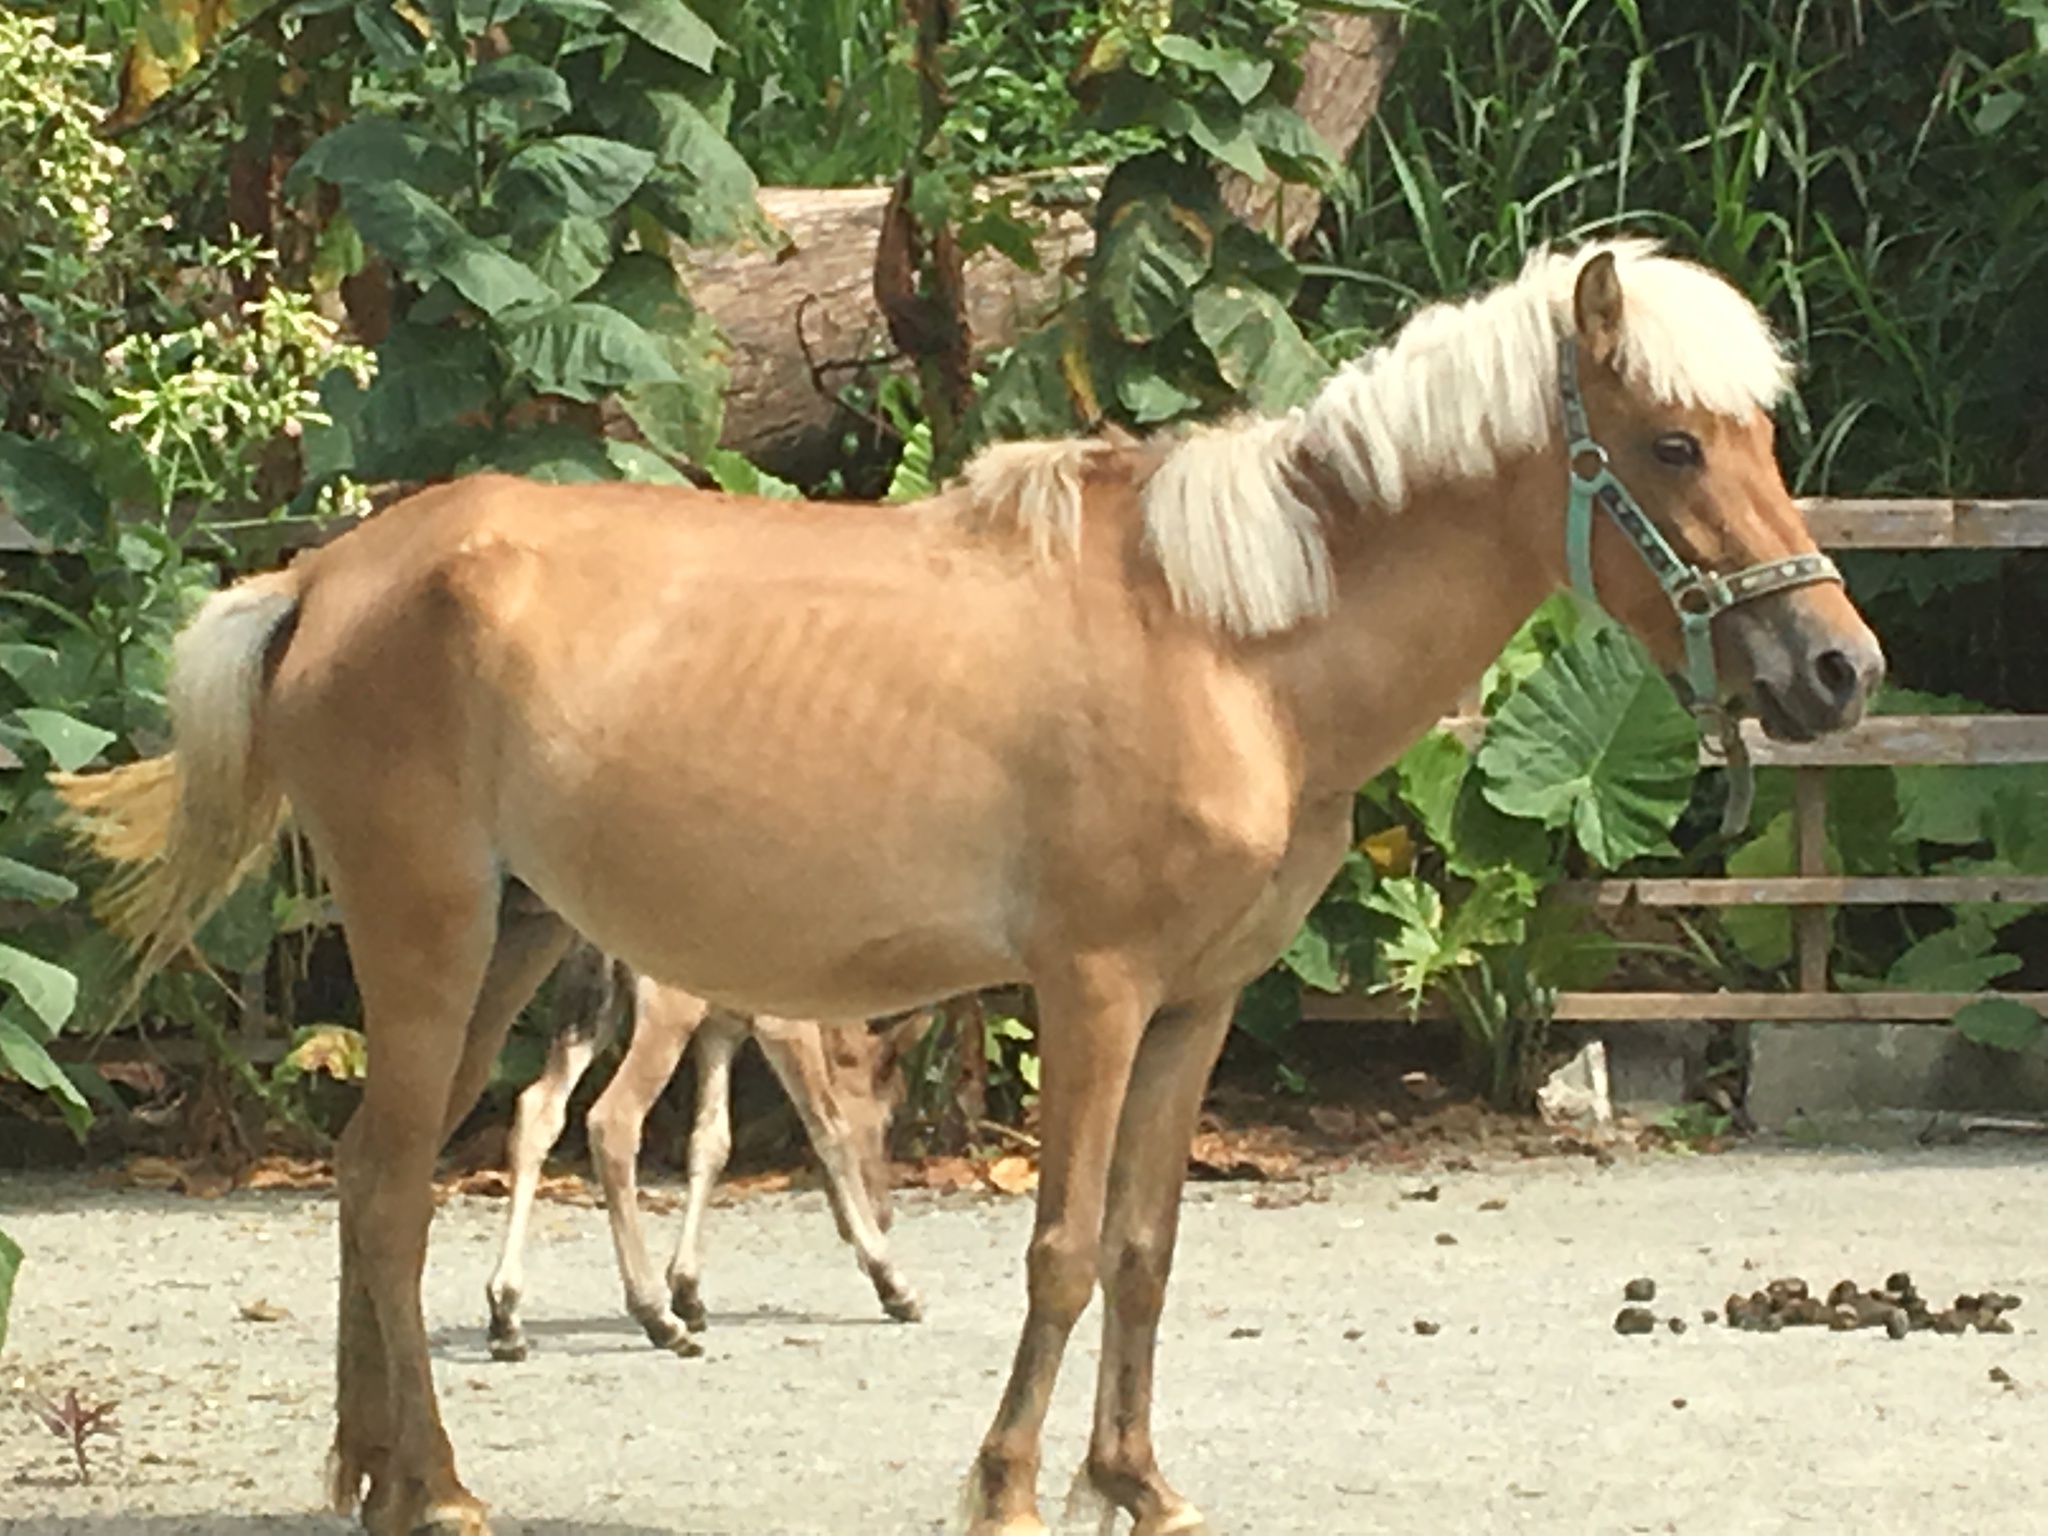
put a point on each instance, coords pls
(804, 908)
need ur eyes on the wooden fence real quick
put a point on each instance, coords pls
(1957, 741)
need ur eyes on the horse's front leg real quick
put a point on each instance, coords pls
(1145, 1177)
(1090, 1024)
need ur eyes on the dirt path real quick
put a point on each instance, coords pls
(1297, 1395)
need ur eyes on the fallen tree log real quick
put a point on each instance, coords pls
(801, 320)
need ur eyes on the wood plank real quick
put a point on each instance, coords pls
(1926, 523)
(1812, 930)
(1884, 740)
(1904, 740)
(1796, 890)
(1713, 1007)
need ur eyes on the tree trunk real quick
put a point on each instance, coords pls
(802, 322)
(1342, 72)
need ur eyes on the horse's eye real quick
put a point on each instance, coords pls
(1681, 450)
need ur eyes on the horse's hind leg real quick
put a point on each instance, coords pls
(537, 1123)
(423, 951)
(1089, 1028)
(710, 1150)
(797, 1053)
(1157, 1127)
(663, 1023)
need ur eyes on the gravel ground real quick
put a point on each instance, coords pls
(1296, 1392)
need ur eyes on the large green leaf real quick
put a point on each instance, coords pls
(2005, 1023)
(670, 26)
(572, 255)
(1763, 934)
(526, 90)
(1431, 773)
(1962, 957)
(10, 1265)
(702, 187)
(371, 151)
(1257, 346)
(1484, 837)
(574, 176)
(424, 409)
(1595, 741)
(49, 991)
(421, 237)
(55, 500)
(1147, 263)
(1150, 396)
(1419, 951)
(27, 1058)
(1312, 957)
(584, 350)
(25, 882)
(71, 742)
(1239, 73)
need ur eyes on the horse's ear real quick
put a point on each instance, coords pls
(1596, 306)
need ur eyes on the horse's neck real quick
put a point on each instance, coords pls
(1425, 600)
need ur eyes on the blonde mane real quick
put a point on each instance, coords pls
(1461, 387)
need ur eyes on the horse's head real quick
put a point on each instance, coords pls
(1725, 585)
(866, 1070)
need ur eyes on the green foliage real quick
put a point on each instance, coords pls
(1596, 741)
(1913, 820)
(521, 174)
(820, 98)
(1588, 759)
(2003, 1023)
(1184, 311)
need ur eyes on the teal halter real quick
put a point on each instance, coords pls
(1697, 595)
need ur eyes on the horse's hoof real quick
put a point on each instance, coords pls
(1185, 1521)
(689, 1307)
(666, 1333)
(510, 1349)
(1016, 1525)
(453, 1520)
(905, 1308)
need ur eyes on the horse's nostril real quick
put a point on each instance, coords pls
(1837, 676)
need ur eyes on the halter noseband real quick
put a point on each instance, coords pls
(1698, 596)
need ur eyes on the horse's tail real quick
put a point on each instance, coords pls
(188, 827)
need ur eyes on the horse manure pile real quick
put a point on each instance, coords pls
(1896, 1307)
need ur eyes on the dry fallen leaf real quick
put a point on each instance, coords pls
(153, 1173)
(1013, 1174)
(263, 1311)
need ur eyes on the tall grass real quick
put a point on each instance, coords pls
(1869, 172)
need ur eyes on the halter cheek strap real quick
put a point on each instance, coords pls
(1697, 595)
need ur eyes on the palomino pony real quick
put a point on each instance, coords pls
(1091, 720)
(845, 1081)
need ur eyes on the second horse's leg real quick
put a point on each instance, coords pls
(797, 1054)
(537, 1124)
(710, 1148)
(664, 1020)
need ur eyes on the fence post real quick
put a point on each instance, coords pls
(1811, 939)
